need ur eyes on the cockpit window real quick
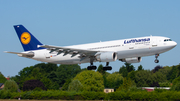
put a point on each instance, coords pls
(167, 40)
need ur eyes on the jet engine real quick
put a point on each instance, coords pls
(106, 57)
(131, 60)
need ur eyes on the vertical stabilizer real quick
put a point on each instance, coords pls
(28, 41)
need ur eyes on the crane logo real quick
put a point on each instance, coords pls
(25, 38)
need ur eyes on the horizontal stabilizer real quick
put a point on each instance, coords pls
(30, 55)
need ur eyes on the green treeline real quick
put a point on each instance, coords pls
(50, 81)
(85, 95)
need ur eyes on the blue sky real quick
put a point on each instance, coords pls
(71, 22)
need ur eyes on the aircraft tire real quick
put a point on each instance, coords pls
(156, 61)
(107, 68)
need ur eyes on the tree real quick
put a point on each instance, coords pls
(176, 84)
(127, 83)
(143, 78)
(140, 68)
(129, 67)
(52, 76)
(157, 68)
(114, 80)
(100, 69)
(11, 86)
(91, 80)
(46, 68)
(155, 84)
(172, 74)
(131, 75)
(75, 85)
(66, 84)
(25, 72)
(47, 82)
(65, 72)
(32, 84)
(2, 78)
(123, 71)
(176, 87)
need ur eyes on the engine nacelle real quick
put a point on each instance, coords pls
(106, 57)
(132, 60)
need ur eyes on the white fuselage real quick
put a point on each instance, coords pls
(126, 48)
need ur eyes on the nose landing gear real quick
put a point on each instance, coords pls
(156, 60)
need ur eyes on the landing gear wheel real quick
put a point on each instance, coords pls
(156, 61)
(156, 56)
(107, 68)
(91, 68)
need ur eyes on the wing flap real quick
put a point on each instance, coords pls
(67, 50)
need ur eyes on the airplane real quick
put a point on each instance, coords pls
(127, 50)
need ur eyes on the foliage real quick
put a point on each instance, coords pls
(175, 81)
(46, 68)
(157, 68)
(164, 84)
(176, 86)
(129, 67)
(75, 85)
(146, 78)
(2, 78)
(66, 85)
(173, 73)
(47, 82)
(91, 80)
(114, 80)
(140, 68)
(124, 70)
(127, 84)
(11, 86)
(155, 84)
(137, 95)
(36, 72)
(65, 72)
(52, 76)
(143, 78)
(32, 84)
(100, 69)
(132, 74)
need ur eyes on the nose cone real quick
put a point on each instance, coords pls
(174, 43)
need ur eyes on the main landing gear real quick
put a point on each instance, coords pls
(156, 60)
(107, 67)
(92, 67)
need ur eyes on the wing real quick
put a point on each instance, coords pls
(72, 51)
(29, 55)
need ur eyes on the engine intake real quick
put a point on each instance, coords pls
(106, 57)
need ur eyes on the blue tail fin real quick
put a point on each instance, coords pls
(28, 41)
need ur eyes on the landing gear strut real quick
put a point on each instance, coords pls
(156, 60)
(91, 67)
(107, 67)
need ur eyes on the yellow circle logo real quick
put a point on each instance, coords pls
(25, 38)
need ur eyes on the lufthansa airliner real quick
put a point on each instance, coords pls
(126, 50)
